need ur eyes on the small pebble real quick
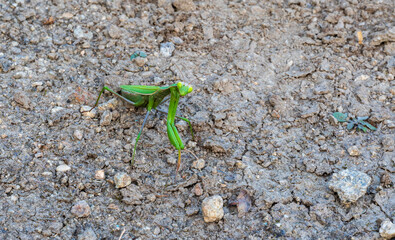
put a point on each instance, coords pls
(19, 75)
(99, 174)
(56, 110)
(184, 5)
(87, 234)
(63, 168)
(85, 110)
(78, 134)
(52, 56)
(22, 99)
(241, 165)
(81, 209)
(198, 190)
(151, 197)
(114, 31)
(171, 160)
(47, 174)
(166, 49)
(333, 120)
(106, 118)
(199, 164)
(388, 143)
(67, 15)
(192, 210)
(122, 180)
(156, 231)
(212, 208)
(353, 151)
(387, 229)
(14, 198)
(140, 61)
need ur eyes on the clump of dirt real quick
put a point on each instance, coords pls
(267, 77)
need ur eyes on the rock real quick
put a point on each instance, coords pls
(81, 34)
(53, 56)
(78, 134)
(199, 164)
(353, 151)
(388, 143)
(63, 168)
(132, 195)
(362, 78)
(87, 234)
(278, 103)
(114, 31)
(333, 121)
(212, 208)
(171, 160)
(386, 179)
(184, 5)
(243, 203)
(386, 200)
(140, 61)
(67, 15)
(218, 144)
(387, 229)
(166, 49)
(384, 36)
(156, 231)
(22, 99)
(106, 118)
(192, 210)
(100, 175)
(86, 111)
(19, 75)
(122, 180)
(350, 185)
(56, 110)
(81, 209)
(198, 190)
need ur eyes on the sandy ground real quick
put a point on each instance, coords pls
(267, 76)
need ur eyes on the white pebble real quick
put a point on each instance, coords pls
(199, 164)
(166, 49)
(122, 180)
(78, 134)
(387, 229)
(63, 168)
(100, 175)
(212, 208)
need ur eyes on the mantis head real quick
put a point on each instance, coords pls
(184, 88)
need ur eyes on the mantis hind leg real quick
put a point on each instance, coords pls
(182, 118)
(138, 137)
(113, 92)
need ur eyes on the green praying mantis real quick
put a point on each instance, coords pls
(151, 97)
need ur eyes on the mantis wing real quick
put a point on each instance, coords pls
(144, 90)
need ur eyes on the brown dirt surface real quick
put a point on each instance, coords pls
(267, 77)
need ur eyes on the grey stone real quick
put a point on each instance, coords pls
(166, 49)
(350, 185)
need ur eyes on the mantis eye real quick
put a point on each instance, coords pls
(179, 85)
(190, 89)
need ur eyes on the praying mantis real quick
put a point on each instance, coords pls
(151, 97)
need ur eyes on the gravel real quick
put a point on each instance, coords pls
(267, 76)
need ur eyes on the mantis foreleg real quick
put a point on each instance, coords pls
(172, 132)
(182, 118)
